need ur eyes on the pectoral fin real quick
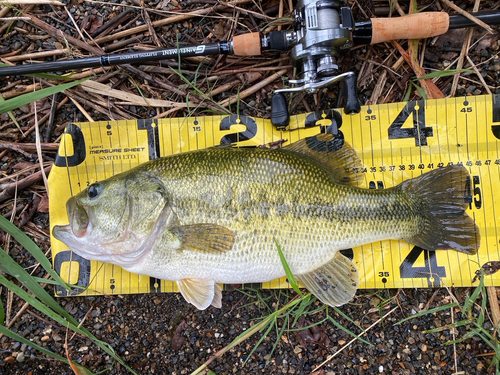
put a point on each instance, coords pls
(201, 292)
(209, 238)
(334, 283)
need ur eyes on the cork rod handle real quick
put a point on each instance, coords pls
(414, 26)
(247, 44)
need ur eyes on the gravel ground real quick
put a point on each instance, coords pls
(161, 333)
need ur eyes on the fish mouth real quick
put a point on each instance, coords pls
(79, 225)
(78, 218)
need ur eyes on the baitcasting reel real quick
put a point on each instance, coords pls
(321, 30)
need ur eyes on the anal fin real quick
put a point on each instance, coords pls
(334, 283)
(201, 292)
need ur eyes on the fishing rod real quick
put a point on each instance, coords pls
(322, 30)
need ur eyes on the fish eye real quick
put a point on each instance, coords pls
(94, 190)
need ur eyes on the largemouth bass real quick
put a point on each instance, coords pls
(214, 216)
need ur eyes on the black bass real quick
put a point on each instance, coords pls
(214, 216)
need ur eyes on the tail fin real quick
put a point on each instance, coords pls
(441, 196)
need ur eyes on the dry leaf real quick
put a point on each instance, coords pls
(43, 206)
(178, 340)
(28, 211)
(96, 23)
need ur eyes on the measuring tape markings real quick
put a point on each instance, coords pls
(386, 255)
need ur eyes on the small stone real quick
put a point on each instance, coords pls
(83, 349)
(297, 350)
(45, 338)
(20, 357)
(470, 89)
(424, 347)
(10, 359)
(25, 108)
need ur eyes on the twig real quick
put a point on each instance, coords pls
(474, 67)
(15, 147)
(20, 90)
(99, 88)
(43, 119)
(63, 37)
(354, 339)
(464, 51)
(107, 27)
(26, 2)
(36, 55)
(429, 302)
(494, 306)
(150, 27)
(469, 16)
(377, 91)
(10, 19)
(52, 113)
(254, 88)
(39, 150)
(454, 334)
(8, 190)
(167, 21)
(84, 112)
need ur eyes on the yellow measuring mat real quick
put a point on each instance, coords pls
(396, 142)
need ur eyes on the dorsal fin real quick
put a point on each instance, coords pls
(332, 152)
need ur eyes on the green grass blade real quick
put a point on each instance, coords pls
(349, 332)
(7, 332)
(408, 92)
(12, 117)
(25, 279)
(33, 249)
(469, 301)
(65, 319)
(44, 75)
(278, 338)
(445, 73)
(337, 310)
(421, 91)
(269, 328)
(308, 326)
(289, 274)
(2, 312)
(305, 303)
(448, 326)
(64, 77)
(431, 311)
(24, 99)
